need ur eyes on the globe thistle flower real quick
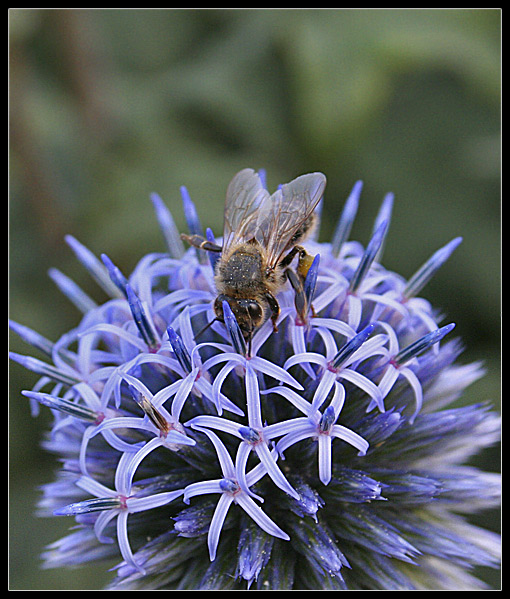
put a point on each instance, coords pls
(324, 455)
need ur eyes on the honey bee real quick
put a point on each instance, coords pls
(261, 237)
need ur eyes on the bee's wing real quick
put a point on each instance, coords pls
(282, 215)
(245, 195)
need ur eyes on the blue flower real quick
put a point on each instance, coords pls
(319, 426)
(118, 503)
(324, 455)
(231, 491)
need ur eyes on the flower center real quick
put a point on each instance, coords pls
(227, 485)
(327, 420)
(250, 435)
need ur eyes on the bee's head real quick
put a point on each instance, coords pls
(249, 313)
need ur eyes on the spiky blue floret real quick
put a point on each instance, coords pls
(346, 220)
(327, 455)
(373, 248)
(168, 227)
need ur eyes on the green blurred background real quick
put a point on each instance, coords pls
(107, 106)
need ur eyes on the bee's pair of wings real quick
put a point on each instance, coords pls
(251, 213)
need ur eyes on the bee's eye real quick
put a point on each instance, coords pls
(255, 310)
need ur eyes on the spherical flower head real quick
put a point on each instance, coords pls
(319, 449)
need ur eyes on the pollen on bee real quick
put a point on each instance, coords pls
(304, 264)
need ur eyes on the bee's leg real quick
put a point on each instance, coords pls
(304, 262)
(275, 309)
(201, 243)
(285, 263)
(297, 280)
(300, 300)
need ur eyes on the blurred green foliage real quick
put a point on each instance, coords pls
(107, 106)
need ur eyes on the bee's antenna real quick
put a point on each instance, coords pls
(205, 328)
